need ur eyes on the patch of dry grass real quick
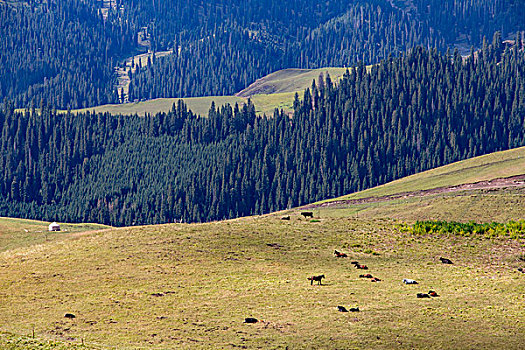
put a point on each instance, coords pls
(15, 233)
(291, 80)
(276, 90)
(191, 286)
(500, 205)
(199, 105)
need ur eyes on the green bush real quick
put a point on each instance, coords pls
(511, 229)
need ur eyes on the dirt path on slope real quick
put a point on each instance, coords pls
(509, 182)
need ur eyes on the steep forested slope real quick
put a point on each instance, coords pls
(59, 52)
(65, 52)
(407, 114)
(246, 44)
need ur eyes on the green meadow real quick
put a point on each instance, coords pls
(191, 286)
(184, 286)
(276, 90)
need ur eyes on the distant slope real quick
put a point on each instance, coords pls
(289, 80)
(482, 189)
(487, 167)
(199, 105)
(264, 104)
(276, 90)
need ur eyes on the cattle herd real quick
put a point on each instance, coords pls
(357, 265)
(430, 294)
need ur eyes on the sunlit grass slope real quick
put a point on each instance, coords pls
(290, 80)
(16, 233)
(264, 104)
(488, 167)
(277, 90)
(184, 286)
(500, 205)
(199, 105)
(28, 342)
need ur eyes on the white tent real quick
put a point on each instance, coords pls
(54, 227)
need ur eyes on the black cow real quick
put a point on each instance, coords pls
(446, 261)
(316, 278)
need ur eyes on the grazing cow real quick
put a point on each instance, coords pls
(445, 261)
(366, 276)
(340, 255)
(316, 278)
(250, 320)
(409, 281)
(432, 293)
(342, 309)
(354, 309)
(68, 315)
(423, 295)
(285, 217)
(307, 214)
(375, 279)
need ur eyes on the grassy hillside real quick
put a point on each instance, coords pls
(28, 342)
(182, 286)
(290, 80)
(199, 105)
(15, 233)
(276, 90)
(264, 104)
(488, 167)
(191, 286)
(500, 205)
(480, 189)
